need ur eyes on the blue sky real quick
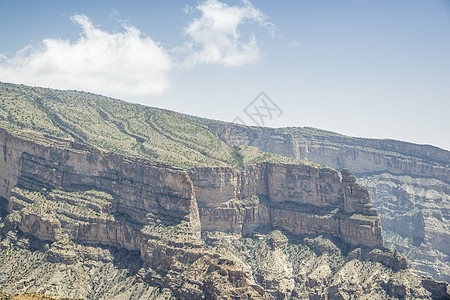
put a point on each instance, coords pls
(362, 68)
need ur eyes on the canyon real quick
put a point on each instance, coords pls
(409, 184)
(101, 199)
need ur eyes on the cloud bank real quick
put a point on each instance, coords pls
(109, 63)
(215, 36)
(127, 63)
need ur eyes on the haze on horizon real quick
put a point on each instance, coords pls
(369, 69)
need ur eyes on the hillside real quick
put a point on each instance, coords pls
(121, 127)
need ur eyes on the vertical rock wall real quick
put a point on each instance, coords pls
(140, 189)
(300, 199)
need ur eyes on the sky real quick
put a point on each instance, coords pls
(375, 68)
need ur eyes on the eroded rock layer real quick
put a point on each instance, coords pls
(408, 183)
(68, 195)
(299, 199)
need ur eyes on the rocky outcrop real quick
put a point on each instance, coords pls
(415, 214)
(318, 268)
(139, 186)
(339, 151)
(299, 199)
(87, 196)
(70, 194)
(80, 222)
(408, 183)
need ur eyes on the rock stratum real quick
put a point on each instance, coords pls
(409, 184)
(101, 199)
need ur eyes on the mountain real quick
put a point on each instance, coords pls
(103, 199)
(409, 183)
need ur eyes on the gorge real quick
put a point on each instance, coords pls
(102, 199)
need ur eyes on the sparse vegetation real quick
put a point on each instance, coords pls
(121, 127)
(76, 205)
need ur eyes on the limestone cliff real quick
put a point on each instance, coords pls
(65, 194)
(316, 199)
(299, 199)
(73, 192)
(102, 199)
(339, 151)
(408, 183)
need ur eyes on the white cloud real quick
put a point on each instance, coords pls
(215, 37)
(116, 64)
(128, 64)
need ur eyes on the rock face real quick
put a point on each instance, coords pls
(415, 214)
(102, 199)
(338, 151)
(408, 183)
(81, 194)
(66, 193)
(141, 186)
(299, 199)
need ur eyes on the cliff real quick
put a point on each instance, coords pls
(74, 193)
(103, 199)
(317, 199)
(299, 199)
(409, 183)
(67, 193)
(339, 151)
